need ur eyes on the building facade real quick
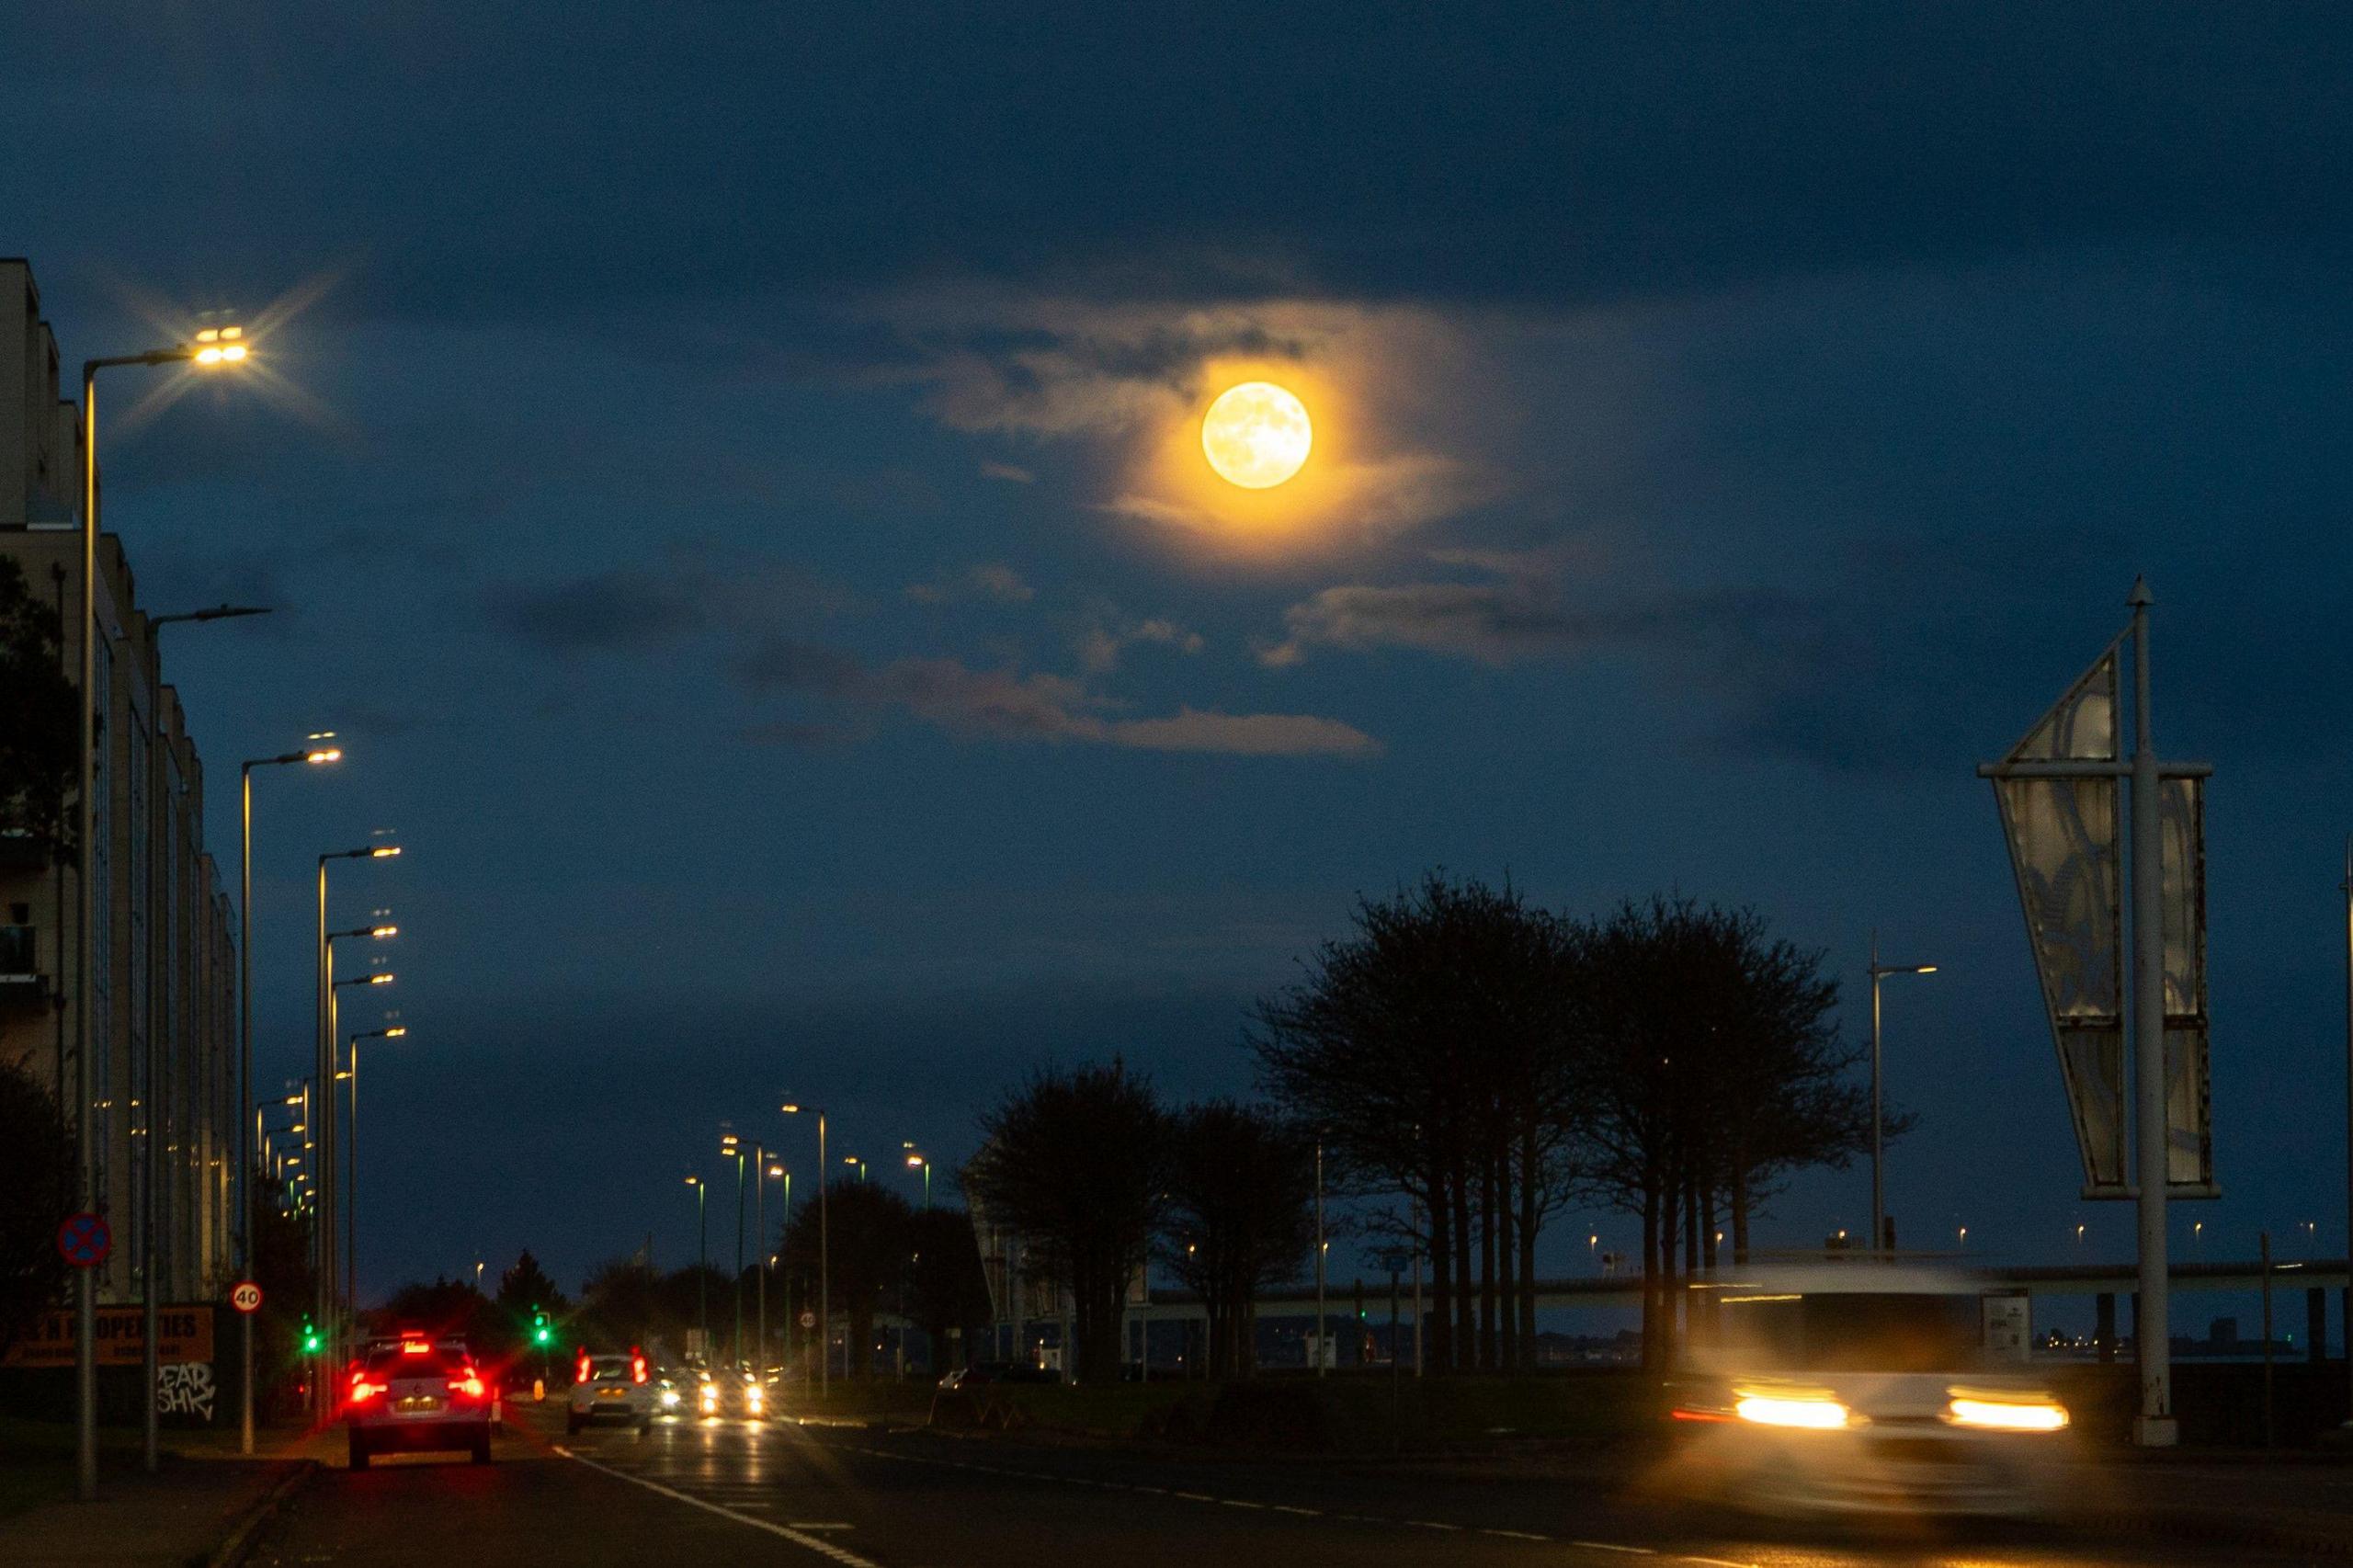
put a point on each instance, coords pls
(161, 1076)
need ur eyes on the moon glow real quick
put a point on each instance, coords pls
(1256, 435)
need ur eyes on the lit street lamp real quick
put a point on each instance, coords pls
(702, 1268)
(917, 1160)
(351, 1165)
(824, 1284)
(212, 347)
(1879, 971)
(330, 1141)
(760, 1228)
(731, 1148)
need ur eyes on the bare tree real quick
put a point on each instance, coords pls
(1240, 1217)
(1075, 1163)
(866, 1256)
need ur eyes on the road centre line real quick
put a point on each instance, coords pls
(1300, 1512)
(817, 1544)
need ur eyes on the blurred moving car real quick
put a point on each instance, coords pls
(983, 1374)
(728, 1393)
(612, 1388)
(415, 1393)
(1866, 1387)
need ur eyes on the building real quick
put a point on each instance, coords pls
(163, 1072)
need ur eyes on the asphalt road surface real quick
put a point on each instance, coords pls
(748, 1496)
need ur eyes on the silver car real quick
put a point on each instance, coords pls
(612, 1388)
(417, 1394)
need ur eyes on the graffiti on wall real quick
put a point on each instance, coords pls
(185, 1389)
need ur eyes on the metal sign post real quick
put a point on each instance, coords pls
(2057, 791)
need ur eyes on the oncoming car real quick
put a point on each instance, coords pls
(416, 1393)
(612, 1388)
(728, 1393)
(1865, 1388)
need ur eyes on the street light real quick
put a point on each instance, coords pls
(1879, 1122)
(702, 1267)
(316, 753)
(212, 347)
(330, 1142)
(731, 1148)
(760, 1228)
(825, 1285)
(913, 1161)
(351, 1167)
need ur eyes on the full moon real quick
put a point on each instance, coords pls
(1256, 435)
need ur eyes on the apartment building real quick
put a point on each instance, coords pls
(161, 1076)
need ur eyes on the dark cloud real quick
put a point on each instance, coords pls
(1007, 704)
(624, 608)
(1574, 153)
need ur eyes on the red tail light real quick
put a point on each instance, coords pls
(636, 1368)
(468, 1383)
(362, 1391)
(581, 1372)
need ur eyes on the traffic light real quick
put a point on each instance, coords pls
(313, 1342)
(542, 1332)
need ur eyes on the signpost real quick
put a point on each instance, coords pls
(247, 1297)
(83, 1241)
(2059, 790)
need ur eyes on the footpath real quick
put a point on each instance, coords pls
(202, 1505)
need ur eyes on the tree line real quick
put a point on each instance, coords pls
(1488, 1062)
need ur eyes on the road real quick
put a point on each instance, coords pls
(802, 1497)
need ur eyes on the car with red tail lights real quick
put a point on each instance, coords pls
(617, 1387)
(1865, 1387)
(416, 1393)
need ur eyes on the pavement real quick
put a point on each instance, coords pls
(750, 1495)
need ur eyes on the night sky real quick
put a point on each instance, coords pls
(726, 471)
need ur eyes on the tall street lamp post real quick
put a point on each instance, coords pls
(760, 1235)
(915, 1160)
(315, 753)
(824, 1281)
(702, 1266)
(330, 1144)
(351, 1167)
(2347, 1304)
(1879, 1122)
(158, 962)
(347, 1221)
(211, 348)
(731, 1148)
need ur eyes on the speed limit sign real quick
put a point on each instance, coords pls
(808, 1320)
(247, 1297)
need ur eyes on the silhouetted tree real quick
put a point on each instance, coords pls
(1240, 1216)
(36, 1169)
(1434, 1051)
(946, 1289)
(865, 1258)
(1075, 1162)
(622, 1305)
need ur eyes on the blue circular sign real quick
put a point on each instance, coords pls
(84, 1240)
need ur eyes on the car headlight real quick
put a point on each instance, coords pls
(1999, 1414)
(753, 1396)
(1817, 1412)
(669, 1399)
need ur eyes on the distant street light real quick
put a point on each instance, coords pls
(702, 1266)
(329, 1319)
(824, 1284)
(918, 1161)
(1879, 971)
(351, 1167)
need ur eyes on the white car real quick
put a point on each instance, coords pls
(613, 1388)
(1864, 1387)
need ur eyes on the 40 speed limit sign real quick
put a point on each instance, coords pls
(247, 1297)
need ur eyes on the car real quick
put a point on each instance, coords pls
(416, 1393)
(727, 1393)
(612, 1387)
(981, 1374)
(1865, 1388)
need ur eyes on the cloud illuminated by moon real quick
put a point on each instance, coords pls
(1256, 435)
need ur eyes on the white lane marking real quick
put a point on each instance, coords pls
(1194, 1497)
(1613, 1546)
(817, 1544)
(1302, 1513)
(1238, 1503)
(1429, 1525)
(822, 1525)
(1713, 1562)
(1526, 1535)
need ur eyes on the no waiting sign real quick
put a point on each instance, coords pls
(84, 1240)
